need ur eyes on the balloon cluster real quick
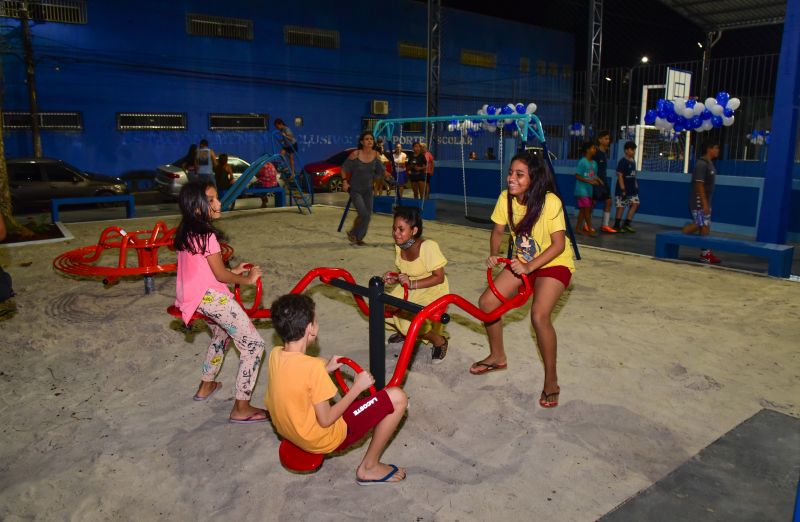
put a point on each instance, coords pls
(689, 114)
(577, 129)
(758, 137)
(473, 127)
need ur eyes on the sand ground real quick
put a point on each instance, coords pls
(656, 361)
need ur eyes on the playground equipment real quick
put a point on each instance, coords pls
(296, 194)
(145, 243)
(301, 461)
(527, 126)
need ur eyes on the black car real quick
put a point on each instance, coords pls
(35, 181)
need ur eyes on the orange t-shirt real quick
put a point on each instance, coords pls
(296, 383)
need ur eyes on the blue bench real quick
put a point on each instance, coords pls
(385, 205)
(58, 202)
(779, 256)
(280, 193)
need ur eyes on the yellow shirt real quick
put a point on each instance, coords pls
(430, 258)
(296, 383)
(528, 246)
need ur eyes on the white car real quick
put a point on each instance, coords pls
(171, 178)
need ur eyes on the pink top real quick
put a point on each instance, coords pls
(195, 277)
(429, 165)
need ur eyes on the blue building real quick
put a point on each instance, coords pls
(131, 86)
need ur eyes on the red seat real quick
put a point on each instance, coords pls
(298, 460)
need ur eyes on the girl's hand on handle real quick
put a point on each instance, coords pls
(239, 269)
(363, 381)
(403, 279)
(518, 267)
(333, 364)
(253, 275)
(389, 278)
(491, 261)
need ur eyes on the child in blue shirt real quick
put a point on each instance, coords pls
(627, 190)
(585, 178)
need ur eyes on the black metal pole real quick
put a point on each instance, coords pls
(377, 335)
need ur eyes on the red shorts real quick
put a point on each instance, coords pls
(365, 414)
(559, 272)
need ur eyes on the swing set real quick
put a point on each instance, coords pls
(528, 128)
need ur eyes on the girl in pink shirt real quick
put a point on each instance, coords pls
(201, 286)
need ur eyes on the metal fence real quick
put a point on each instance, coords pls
(559, 95)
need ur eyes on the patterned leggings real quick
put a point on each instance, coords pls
(231, 322)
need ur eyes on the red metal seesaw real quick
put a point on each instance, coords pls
(145, 243)
(301, 461)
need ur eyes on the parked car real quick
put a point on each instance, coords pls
(326, 175)
(36, 181)
(170, 178)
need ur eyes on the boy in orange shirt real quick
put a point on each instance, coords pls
(300, 390)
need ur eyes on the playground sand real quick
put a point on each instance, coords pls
(656, 361)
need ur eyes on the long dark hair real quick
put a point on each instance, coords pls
(191, 155)
(195, 226)
(542, 182)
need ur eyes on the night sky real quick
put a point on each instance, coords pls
(631, 29)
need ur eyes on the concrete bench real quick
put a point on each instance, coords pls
(779, 256)
(280, 193)
(55, 204)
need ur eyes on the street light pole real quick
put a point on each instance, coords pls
(644, 60)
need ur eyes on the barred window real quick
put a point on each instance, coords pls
(151, 121)
(311, 37)
(368, 124)
(47, 120)
(479, 59)
(566, 72)
(412, 50)
(553, 69)
(541, 67)
(62, 11)
(414, 127)
(238, 121)
(219, 26)
(524, 65)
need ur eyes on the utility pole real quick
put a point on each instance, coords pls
(434, 69)
(595, 50)
(27, 46)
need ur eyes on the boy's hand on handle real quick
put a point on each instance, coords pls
(333, 364)
(491, 261)
(363, 381)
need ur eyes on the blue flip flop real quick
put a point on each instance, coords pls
(384, 480)
(198, 398)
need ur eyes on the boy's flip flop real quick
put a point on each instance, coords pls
(384, 480)
(198, 398)
(479, 368)
(252, 419)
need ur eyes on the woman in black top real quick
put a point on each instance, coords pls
(416, 168)
(359, 170)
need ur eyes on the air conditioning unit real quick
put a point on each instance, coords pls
(380, 107)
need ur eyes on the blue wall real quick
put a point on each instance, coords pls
(137, 57)
(664, 195)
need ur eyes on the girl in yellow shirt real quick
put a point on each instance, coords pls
(535, 216)
(420, 264)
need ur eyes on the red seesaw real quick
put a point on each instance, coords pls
(145, 243)
(298, 460)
